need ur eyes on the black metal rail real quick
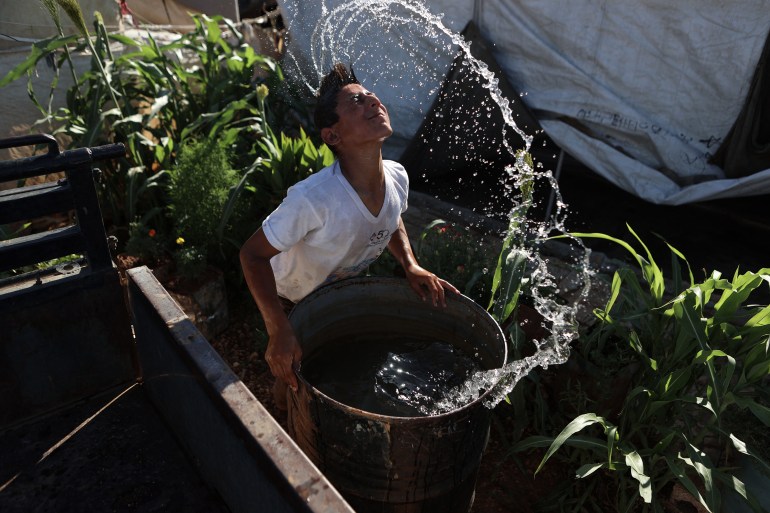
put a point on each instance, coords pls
(75, 192)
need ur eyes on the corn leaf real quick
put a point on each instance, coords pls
(577, 424)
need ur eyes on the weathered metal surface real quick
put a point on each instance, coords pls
(68, 334)
(233, 437)
(382, 463)
(35, 201)
(61, 341)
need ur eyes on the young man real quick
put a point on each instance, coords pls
(333, 224)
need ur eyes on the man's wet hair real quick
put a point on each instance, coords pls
(331, 84)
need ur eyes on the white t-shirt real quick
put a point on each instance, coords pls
(325, 232)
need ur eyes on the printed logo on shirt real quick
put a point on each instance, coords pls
(380, 237)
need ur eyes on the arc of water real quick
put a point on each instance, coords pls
(337, 32)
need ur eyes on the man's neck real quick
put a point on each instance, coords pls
(364, 171)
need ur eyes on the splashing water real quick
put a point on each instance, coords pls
(374, 36)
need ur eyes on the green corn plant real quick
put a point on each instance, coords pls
(511, 268)
(702, 353)
(152, 97)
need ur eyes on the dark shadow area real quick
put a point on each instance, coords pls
(723, 235)
(108, 453)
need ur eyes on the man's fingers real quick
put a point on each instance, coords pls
(448, 286)
(291, 380)
(283, 368)
(287, 374)
(419, 289)
(441, 296)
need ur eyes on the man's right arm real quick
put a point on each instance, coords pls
(283, 349)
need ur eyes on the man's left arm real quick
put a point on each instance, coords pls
(423, 282)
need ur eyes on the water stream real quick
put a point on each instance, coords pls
(405, 49)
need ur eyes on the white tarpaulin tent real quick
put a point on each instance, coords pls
(643, 93)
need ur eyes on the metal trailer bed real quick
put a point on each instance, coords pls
(110, 398)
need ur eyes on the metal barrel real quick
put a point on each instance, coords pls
(393, 464)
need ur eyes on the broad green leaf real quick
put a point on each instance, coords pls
(40, 50)
(757, 362)
(639, 259)
(695, 324)
(705, 468)
(663, 444)
(511, 283)
(674, 382)
(581, 442)
(636, 464)
(675, 266)
(577, 424)
(682, 477)
(761, 412)
(612, 438)
(739, 487)
(727, 370)
(734, 296)
(761, 318)
(588, 469)
(651, 271)
(742, 448)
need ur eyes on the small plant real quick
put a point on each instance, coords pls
(146, 243)
(686, 356)
(199, 187)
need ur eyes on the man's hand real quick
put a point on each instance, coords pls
(283, 356)
(428, 285)
(425, 283)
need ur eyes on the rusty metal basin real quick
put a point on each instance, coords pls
(385, 463)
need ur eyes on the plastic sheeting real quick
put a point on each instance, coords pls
(643, 93)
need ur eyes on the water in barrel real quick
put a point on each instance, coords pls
(401, 378)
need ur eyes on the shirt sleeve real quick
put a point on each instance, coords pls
(288, 224)
(401, 180)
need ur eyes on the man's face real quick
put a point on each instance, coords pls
(362, 117)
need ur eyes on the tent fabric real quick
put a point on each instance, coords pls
(746, 149)
(22, 23)
(642, 93)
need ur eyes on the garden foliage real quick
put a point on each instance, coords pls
(681, 358)
(207, 87)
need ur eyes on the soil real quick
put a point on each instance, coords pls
(502, 485)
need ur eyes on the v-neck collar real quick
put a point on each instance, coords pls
(337, 170)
